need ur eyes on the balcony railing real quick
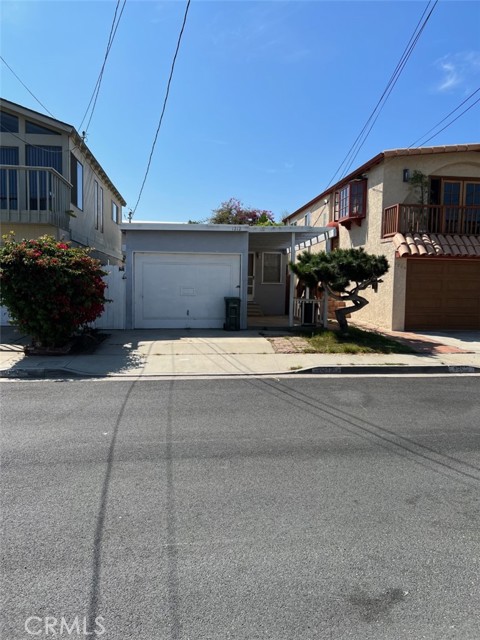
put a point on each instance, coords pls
(34, 195)
(418, 218)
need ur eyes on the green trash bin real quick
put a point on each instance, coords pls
(232, 314)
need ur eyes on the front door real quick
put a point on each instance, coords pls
(251, 277)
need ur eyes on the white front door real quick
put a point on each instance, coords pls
(184, 290)
(251, 277)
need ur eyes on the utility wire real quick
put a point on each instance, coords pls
(24, 85)
(163, 108)
(358, 143)
(36, 146)
(96, 90)
(445, 118)
(454, 120)
(393, 80)
(387, 96)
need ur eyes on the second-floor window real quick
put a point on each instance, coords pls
(115, 212)
(351, 200)
(76, 178)
(98, 206)
(8, 122)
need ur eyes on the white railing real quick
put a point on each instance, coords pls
(34, 195)
(308, 311)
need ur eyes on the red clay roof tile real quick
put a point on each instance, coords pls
(431, 245)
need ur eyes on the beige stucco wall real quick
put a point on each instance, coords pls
(465, 164)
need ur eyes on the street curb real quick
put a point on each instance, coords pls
(389, 369)
(45, 374)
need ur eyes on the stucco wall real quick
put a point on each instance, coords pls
(461, 164)
(188, 241)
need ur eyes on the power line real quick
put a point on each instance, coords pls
(358, 143)
(36, 146)
(96, 90)
(447, 116)
(393, 81)
(24, 85)
(164, 106)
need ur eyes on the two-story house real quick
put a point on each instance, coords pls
(421, 209)
(51, 183)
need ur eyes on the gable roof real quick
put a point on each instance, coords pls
(380, 157)
(66, 128)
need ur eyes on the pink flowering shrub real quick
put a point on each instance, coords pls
(50, 288)
(235, 212)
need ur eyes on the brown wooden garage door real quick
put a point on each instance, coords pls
(442, 294)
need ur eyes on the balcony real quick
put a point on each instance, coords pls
(431, 218)
(34, 195)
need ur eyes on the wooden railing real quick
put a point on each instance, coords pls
(431, 218)
(34, 195)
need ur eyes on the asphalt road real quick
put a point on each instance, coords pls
(242, 509)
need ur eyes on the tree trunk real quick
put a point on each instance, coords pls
(340, 314)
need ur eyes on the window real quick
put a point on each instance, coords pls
(31, 127)
(40, 183)
(44, 156)
(8, 178)
(100, 209)
(307, 219)
(272, 268)
(351, 201)
(115, 212)
(8, 122)
(95, 203)
(76, 178)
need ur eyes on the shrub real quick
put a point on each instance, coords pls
(50, 288)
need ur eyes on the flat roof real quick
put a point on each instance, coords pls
(259, 237)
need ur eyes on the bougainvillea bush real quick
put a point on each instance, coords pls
(50, 289)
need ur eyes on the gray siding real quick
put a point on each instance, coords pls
(185, 241)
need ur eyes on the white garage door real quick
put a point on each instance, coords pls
(183, 291)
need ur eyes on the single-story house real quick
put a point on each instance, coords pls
(178, 275)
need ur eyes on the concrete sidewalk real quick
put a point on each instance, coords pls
(150, 353)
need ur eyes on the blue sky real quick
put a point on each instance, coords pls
(267, 97)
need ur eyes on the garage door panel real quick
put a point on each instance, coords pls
(184, 290)
(442, 295)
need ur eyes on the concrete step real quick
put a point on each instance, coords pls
(254, 310)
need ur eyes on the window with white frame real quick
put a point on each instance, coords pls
(100, 209)
(95, 203)
(76, 178)
(115, 212)
(98, 206)
(272, 268)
